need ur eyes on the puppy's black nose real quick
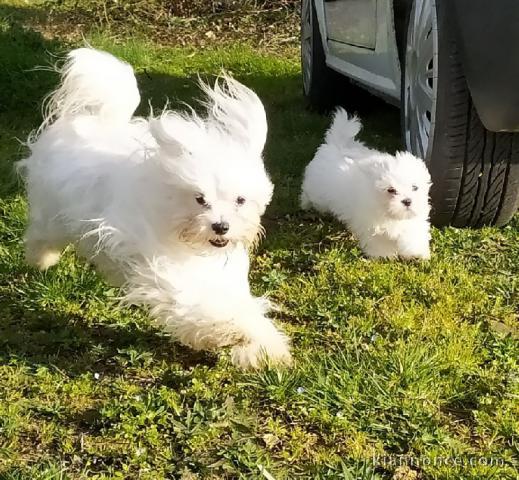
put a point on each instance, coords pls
(407, 202)
(220, 228)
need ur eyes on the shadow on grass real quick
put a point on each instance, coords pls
(21, 87)
(70, 343)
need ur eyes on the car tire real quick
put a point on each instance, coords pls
(320, 83)
(475, 172)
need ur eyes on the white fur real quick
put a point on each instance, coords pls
(127, 191)
(351, 181)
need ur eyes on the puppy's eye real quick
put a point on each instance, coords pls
(200, 199)
(391, 190)
(415, 188)
(240, 200)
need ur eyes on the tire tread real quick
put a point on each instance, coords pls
(480, 181)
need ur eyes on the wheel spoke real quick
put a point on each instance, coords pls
(419, 77)
(425, 18)
(421, 17)
(425, 54)
(424, 97)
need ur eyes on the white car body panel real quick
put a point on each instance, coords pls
(377, 69)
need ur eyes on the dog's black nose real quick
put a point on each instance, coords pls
(220, 228)
(407, 202)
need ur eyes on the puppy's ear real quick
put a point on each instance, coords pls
(416, 167)
(175, 133)
(237, 110)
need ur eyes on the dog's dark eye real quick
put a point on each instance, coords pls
(240, 200)
(391, 190)
(415, 188)
(200, 199)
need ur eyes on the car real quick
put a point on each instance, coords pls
(452, 68)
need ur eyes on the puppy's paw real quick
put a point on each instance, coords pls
(379, 247)
(424, 254)
(256, 354)
(42, 258)
(380, 255)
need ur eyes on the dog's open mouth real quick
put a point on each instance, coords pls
(218, 242)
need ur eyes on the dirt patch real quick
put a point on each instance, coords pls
(266, 24)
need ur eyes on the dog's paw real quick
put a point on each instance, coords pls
(379, 248)
(256, 355)
(42, 258)
(416, 255)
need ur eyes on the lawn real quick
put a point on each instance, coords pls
(394, 361)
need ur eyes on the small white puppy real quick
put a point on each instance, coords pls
(167, 207)
(383, 198)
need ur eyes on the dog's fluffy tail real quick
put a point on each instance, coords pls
(343, 130)
(96, 83)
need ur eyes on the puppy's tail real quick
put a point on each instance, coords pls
(343, 130)
(93, 83)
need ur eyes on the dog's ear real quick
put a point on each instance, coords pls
(175, 133)
(416, 167)
(237, 110)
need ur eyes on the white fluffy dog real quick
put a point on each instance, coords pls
(166, 207)
(384, 199)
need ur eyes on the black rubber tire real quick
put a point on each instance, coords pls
(475, 172)
(321, 94)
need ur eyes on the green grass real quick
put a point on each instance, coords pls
(416, 359)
